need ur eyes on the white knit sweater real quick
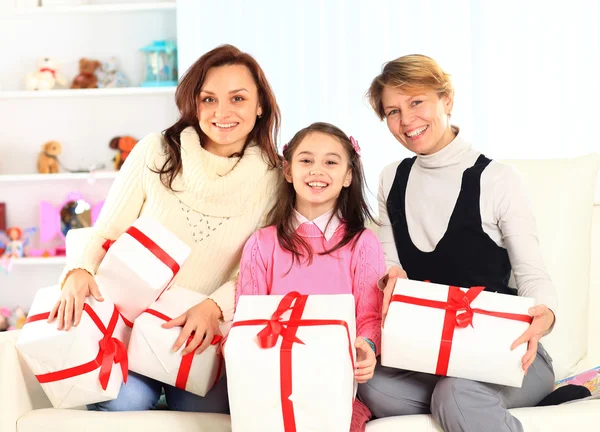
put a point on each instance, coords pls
(219, 203)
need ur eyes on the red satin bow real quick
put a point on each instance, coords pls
(185, 366)
(110, 351)
(52, 71)
(457, 301)
(155, 249)
(275, 327)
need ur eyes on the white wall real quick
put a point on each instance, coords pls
(320, 56)
(526, 73)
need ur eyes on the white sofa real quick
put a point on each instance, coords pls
(562, 192)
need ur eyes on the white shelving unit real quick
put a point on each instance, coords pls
(87, 93)
(83, 120)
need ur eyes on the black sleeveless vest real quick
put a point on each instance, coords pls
(465, 256)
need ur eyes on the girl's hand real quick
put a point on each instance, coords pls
(365, 361)
(201, 321)
(543, 318)
(78, 285)
(394, 273)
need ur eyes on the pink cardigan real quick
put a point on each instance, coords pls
(353, 269)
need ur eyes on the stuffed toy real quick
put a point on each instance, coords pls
(109, 76)
(124, 145)
(87, 76)
(45, 77)
(47, 162)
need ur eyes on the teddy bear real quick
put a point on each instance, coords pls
(87, 77)
(109, 76)
(45, 77)
(47, 162)
(124, 145)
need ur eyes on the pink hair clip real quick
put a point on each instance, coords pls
(285, 146)
(355, 145)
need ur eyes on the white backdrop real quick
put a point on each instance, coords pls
(526, 73)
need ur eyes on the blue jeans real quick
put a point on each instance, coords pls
(142, 393)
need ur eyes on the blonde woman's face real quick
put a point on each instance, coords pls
(420, 122)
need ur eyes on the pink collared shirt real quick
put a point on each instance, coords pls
(266, 268)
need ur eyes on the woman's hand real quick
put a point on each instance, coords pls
(201, 321)
(543, 318)
(394, 273)
(365, 361)
(78, 285)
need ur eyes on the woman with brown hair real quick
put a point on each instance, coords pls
(432, 205)
(209, 180)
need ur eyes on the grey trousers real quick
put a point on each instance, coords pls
(457, 404)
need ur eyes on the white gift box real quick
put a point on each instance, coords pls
(50, 353)
(427, 339)
(311, 383)
(140, 265)
(150, 349)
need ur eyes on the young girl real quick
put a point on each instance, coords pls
(316, 240)
(209, 179)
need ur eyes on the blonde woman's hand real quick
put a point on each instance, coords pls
(201, 322)
(365, 361)
(393, 274)
(543, 318)
(78, 285)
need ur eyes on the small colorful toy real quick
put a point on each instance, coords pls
(15, 241)
(109, 76)
(124, 145)
(87, 74)
(46, 76)
(47, 162)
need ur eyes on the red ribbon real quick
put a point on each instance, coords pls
(52, 71)
(155, 249)
(458, 301)
(186, 361)
(275, 327)
(111, 351)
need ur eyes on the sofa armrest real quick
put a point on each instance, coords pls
(21, 392)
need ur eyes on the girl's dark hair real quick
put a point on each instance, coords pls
(351, 203)
(265, 130)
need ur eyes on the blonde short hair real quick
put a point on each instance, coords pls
(413, 74)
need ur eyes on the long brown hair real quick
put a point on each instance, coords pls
(351, 203)
(265, 130)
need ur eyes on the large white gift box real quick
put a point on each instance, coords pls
(140, 265)
(84, 365)
(290, 363)
(151, 346)
(457, 332)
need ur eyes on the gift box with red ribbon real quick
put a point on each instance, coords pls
(290, 363)
(84, 365)
(140, 265)
(151, 346)
(457, 332)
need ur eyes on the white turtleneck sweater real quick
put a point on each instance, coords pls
(219, 203)
(506, 214)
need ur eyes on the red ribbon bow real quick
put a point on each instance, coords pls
(275, 327)
(110, 351)
(155, 249)
(52, 71)
(186, 361)
(458, 301)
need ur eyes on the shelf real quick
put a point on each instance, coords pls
(98, 8)
(59, 260)
(71, 93)
(108, 175)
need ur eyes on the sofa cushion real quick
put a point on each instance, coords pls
(60, 420)
(562, 192)
(576, 416)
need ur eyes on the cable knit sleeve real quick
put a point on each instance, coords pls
(369, 266)
(253, 270)
(121, 208)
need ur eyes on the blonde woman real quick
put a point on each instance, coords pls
(431, 205)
